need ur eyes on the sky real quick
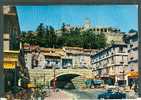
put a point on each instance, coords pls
(124, 17)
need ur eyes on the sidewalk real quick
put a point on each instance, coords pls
(61, 95)
(131, 95)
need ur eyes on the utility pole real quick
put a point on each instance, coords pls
(54, 80)
(2, 76)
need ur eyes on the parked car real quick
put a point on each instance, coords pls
(98, 83)
(110, 94)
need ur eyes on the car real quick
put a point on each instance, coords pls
(98, 83)
(110, 94)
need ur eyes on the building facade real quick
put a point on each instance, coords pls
(132, 41)
(67, 57)
(133, 51)
(11, 28)
(111, 63)
(80, 57)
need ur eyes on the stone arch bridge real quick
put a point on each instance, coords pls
(45, 76)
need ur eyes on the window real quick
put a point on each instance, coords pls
(113, 48)
(107, 60)
(105, 30)
(120, 49)
(131, 45)
(112, 60)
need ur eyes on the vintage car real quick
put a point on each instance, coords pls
(110, 94)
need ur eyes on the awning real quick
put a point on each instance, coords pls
(133, 74)
(30, 85)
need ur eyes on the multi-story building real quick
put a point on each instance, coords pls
(80, 57)
(11, 28)
(111, 63)
(53, 57)
(67, 57)
(13, 69)
(132, 41)
(133, 51)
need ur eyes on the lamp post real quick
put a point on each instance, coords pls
(54, 80)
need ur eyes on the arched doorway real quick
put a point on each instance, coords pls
(65, 81)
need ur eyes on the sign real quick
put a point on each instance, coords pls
(133, 74)
(9, 64)
(10, 59)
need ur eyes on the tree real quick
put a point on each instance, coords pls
(40, 38)
(133, 31)
(125, 38)
(101, 41)
(89, 39)
(63, 28)
(51, 37)
(46, 37)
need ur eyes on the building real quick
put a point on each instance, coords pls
(132, 41)
(11, 28)
(10, 64)
(66, 57)
(111, 63)
(133, 51)
(113, 35)
(53, 57)
(80, 57)
(13, 69)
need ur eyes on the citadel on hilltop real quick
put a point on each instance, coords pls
(113, 35)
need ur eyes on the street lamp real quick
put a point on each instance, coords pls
(54, 80)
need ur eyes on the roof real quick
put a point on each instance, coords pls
(78, 48)
(52, 54)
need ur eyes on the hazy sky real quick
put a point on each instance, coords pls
(124, 17)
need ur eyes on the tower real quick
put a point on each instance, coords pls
(87, 24)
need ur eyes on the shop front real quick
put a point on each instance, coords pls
(121, 79)
(132, 77)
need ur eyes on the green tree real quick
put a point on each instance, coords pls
(133, 31)
(100, 41)
(51, 37)
(88, 40)
(125, 38)
(40, 37)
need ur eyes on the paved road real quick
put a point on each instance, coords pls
(60, 95)
(90, 94)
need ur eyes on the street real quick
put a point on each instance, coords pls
(90, 94)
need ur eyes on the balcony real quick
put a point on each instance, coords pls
(6, 36)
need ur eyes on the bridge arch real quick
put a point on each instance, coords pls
(45, 76)
(64, 81)
(67, 73)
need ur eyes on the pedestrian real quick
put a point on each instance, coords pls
(135, 88)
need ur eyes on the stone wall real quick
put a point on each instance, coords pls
(44, 76)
